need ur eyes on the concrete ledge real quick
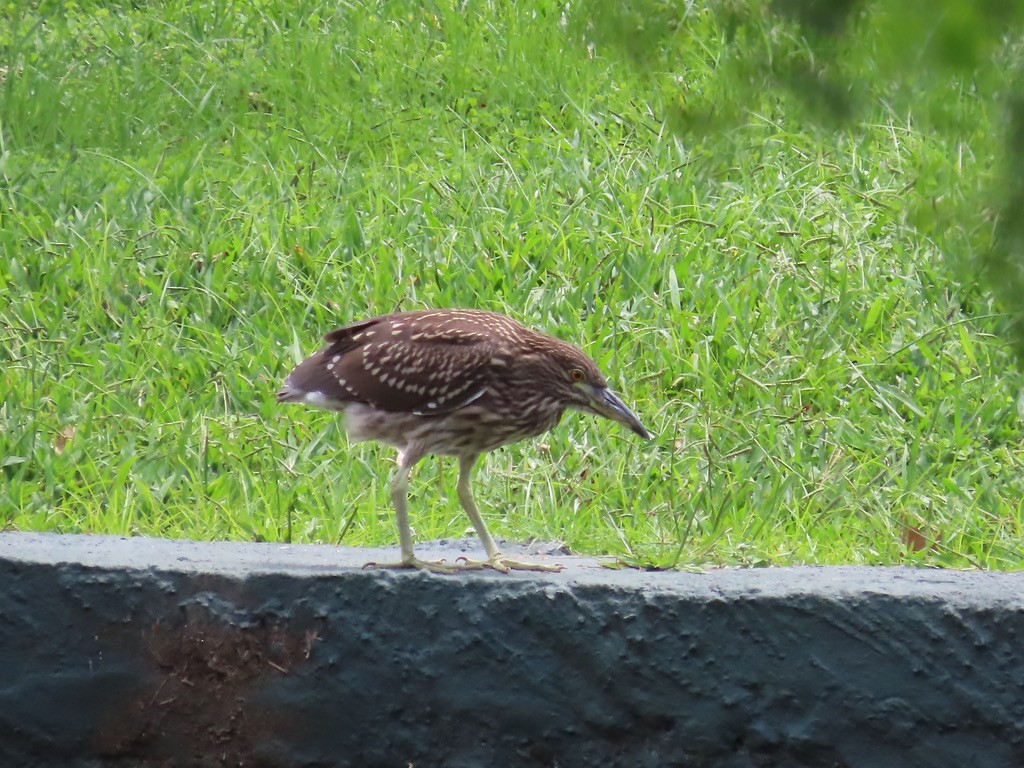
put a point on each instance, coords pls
(126, 652)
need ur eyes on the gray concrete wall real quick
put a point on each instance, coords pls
(139, 652)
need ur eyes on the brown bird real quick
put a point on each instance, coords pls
(450, 382)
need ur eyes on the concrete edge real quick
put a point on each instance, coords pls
(156, 652)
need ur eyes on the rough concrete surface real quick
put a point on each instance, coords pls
(142, 652)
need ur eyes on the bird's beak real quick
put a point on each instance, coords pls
(606, 403)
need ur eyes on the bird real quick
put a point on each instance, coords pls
(451, 382)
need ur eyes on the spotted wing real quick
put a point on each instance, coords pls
(429, 362)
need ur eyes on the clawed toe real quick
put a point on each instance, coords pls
(432, 566)
(497, 562)
(500, 563)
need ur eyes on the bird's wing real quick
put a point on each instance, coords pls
(420, 362)
(317, 374)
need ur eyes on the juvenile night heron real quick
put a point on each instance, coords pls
(450, 382)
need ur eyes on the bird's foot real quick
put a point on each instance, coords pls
(503, 564)
(433, 566)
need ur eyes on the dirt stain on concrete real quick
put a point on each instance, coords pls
(204, 707)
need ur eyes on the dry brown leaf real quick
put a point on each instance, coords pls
(62, 438)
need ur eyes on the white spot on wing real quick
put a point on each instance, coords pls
(476, 396)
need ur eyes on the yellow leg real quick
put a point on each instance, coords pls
(400, 498)
(495, 559)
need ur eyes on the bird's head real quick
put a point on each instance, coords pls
(578, 382)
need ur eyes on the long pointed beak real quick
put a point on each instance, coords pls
(606, 403)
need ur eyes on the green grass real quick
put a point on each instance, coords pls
(192, 193)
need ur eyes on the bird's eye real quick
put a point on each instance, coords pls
(576, 375)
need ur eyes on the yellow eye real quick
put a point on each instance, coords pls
(577, 375)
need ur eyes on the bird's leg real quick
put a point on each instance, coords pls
(469, 504)
(400, 498)
(495, 559)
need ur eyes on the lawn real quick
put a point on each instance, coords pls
(193, 193)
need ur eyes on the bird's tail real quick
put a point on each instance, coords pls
(290, 394)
